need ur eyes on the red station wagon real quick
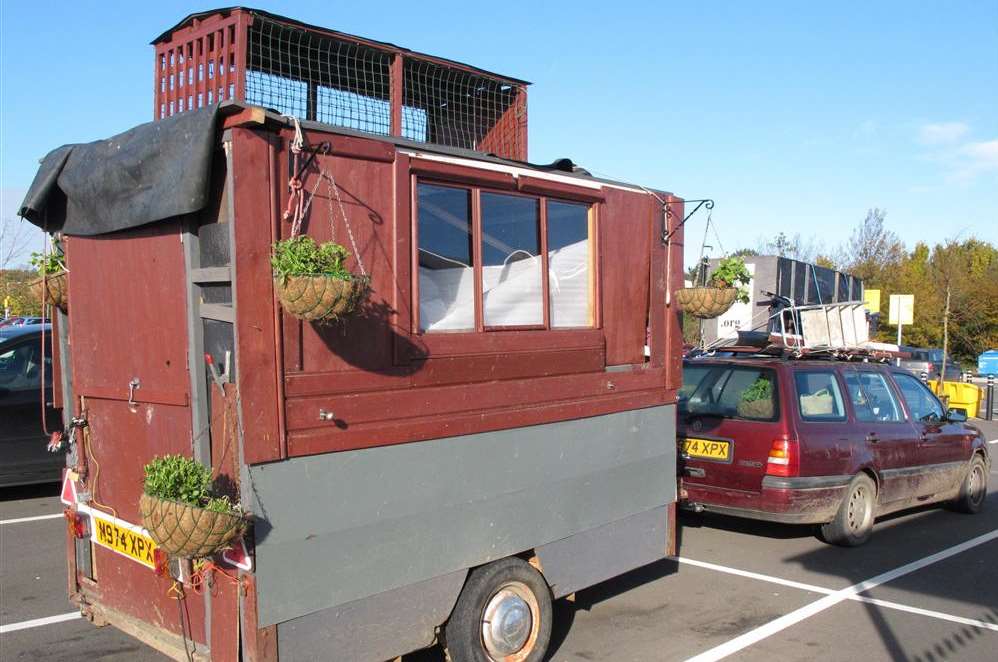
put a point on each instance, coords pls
(823, 442)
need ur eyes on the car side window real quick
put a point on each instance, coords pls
(871, 397)
(921, 403)
(818, 396)
(20, 367)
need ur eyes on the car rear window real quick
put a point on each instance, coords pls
(729, 391)
(818, 396)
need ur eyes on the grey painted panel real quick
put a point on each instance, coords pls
(339, 527)
(598, 554)
(380, 627)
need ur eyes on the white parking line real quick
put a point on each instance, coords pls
(993, 441)
(18, 520)
(828, 591)
(783, 622)
(38, 622)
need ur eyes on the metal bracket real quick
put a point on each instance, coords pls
(706, 203)
(133, 386)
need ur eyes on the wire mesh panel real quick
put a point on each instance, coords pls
(313, 76)
(458, 108)
(334, 78)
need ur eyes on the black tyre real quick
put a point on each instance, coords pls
(853, 522)
(974, 487)
(502, 615)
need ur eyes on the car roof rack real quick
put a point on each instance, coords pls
(833, 331)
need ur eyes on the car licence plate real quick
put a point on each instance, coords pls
(708, 449)
(124, 538)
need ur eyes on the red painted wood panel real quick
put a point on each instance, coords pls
(127, 319)
(674, 341)
(433, 427)
(355, 408)
(625, 243)
(254, 295)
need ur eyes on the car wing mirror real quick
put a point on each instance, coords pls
(956, 415)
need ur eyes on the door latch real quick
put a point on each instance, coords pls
(133, 386)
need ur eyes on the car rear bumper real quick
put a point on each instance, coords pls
(798, 500)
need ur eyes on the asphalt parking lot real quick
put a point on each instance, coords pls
(924, 589)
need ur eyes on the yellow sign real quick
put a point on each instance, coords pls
(708, 449)
(123, 538)
(872, 300)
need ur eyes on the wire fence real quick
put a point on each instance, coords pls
(318, 76)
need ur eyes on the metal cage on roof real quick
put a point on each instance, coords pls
(335, 78)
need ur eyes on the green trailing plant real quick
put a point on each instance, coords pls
(732, 272)
(49, 264)
(177, 478)
(761, 389)
(301, 256)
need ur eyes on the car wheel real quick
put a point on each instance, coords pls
(502, 615)
(853, 522)
(974, 487)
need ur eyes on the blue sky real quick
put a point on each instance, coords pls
(794, 117)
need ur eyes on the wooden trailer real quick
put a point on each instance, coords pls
(495, 428)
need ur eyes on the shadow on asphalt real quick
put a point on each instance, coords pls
(29, 491)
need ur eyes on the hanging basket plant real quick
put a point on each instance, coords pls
(722, 289)
(52, 285)
(311, 282)
(183, 515)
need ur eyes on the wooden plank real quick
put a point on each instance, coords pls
(218, 311)
(211, 275)
(450, 172)
(625, 256)
(355, 408)
(312, 442)
(546, 187)
(253, 295)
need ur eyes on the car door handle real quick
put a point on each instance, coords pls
(872, 438)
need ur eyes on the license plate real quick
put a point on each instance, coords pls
(124, 538)
(708, 449)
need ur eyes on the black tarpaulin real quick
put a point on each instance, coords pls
(150, 173)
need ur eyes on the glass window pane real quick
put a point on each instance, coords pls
(922, 404)
(872, 400)
(569, 259)
(731, 392)
(511, 261)
(819, 397)
(446, 270)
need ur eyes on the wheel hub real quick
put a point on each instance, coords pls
(506, 623)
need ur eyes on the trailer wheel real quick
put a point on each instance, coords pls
(502, 615)
(853, 522)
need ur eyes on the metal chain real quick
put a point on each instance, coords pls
(346, 221)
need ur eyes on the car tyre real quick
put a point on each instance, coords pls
(974, 488)
(503, 614)
(853, 522)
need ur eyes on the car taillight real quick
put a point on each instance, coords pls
(76, 523)
(784, 460)
(162, 562)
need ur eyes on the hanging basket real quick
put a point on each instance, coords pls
(318, 298)
(53, 290)
(706, 302)
(186, 531)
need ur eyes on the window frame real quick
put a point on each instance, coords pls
(536, 192)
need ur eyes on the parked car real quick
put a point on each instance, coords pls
(987, 363)
(930, 361)
(822, 442)
(23, 456)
